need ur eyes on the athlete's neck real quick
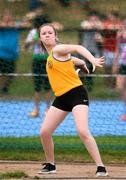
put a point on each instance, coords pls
(49, 48)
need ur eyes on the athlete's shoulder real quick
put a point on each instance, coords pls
(57, 47)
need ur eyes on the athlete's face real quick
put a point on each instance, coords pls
(48, 36)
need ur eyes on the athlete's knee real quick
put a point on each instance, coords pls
(44, 133)
(84, 134)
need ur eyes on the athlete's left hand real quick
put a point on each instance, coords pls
(83, 68)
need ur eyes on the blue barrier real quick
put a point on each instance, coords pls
(103, 119)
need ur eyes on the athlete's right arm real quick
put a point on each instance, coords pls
(63, 50)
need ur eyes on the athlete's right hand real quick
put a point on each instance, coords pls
(98, 62)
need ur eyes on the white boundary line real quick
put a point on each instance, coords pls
(45, 75)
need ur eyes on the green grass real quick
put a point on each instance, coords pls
(15, 174)
(67, 148)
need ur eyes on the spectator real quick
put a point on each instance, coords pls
(119, 65)
(9, 50)
(39, 64)
(111, 25)
(85, 4)
(89, 39)
(13, 0)
(35, 4)
(64, 3)
(7, 19)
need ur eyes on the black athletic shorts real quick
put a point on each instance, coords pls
(67, 101)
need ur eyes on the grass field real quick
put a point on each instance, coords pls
(113, 149)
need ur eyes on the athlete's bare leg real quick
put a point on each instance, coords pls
(52, 119)
(80, 113)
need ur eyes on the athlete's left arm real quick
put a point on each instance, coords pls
(79, 63)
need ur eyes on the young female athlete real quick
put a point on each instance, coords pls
(70, 96)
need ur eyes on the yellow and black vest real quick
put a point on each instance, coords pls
(62, 75)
